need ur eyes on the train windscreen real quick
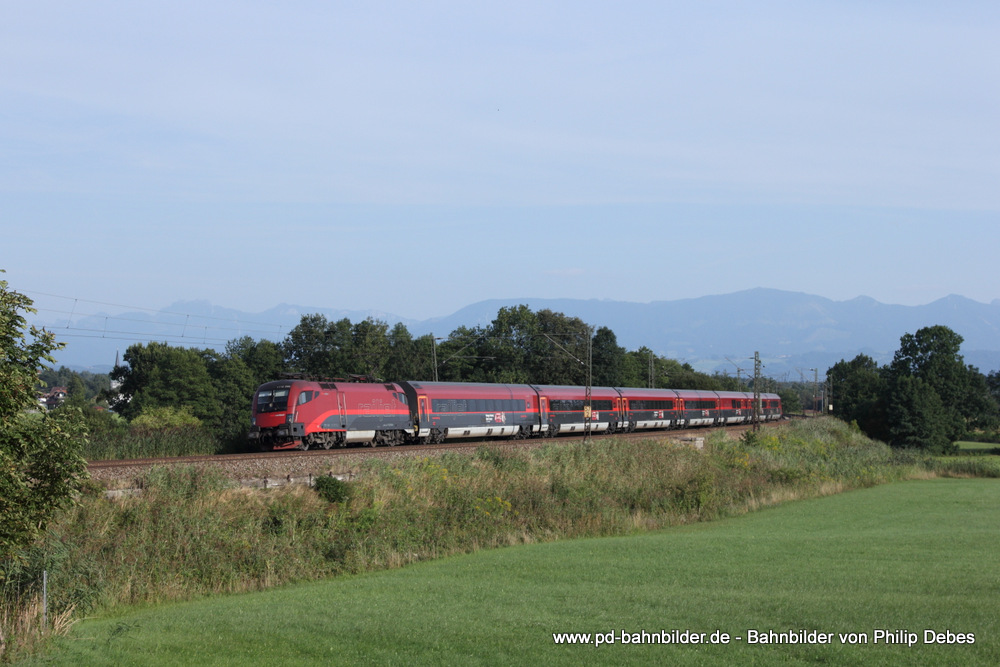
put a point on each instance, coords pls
(272, 400)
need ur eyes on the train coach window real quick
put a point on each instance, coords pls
(482, 405)
(652, 405)
(448, 405)
(577, 406)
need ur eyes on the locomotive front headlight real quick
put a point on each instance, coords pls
(289, 418)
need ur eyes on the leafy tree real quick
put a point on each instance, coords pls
(860, 388)
(370, 344)
(791, 402)
(917, 418)
(159, 375)
(320, 348)
(76, 392)
(460, 357)
(506, 351)
(405, 360)
(559, 353)
(40, 463)
(263, 358)
(423, 357)
(932, 355)
(635, 367)
(993, 385)
(608, 359)
(927, 397)
(233, 386)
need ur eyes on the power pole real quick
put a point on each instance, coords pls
(756, 391)
(434, 355)
(815, 386)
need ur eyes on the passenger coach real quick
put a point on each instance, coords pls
(448, 410)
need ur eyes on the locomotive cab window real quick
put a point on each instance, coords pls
(272, 400)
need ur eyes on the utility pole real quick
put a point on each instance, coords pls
(434, 355)
(815, 385)
(756, 391)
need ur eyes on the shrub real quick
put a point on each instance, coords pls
(332, 489)
(165, 417)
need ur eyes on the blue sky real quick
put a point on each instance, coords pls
(416, 157)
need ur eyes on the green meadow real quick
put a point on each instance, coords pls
(901, 558)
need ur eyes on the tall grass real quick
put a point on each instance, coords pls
(137, 443)
(190, 533)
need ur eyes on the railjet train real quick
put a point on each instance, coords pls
(304, 414)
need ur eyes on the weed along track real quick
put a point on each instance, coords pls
(273, 468)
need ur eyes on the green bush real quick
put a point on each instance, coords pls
(166, 417)
(332, 489)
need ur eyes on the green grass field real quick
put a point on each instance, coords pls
(910, 556)
(978, 448)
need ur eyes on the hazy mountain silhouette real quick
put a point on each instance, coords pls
(792, 331)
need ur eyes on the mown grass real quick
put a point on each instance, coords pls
(190, 534)
(912, 556)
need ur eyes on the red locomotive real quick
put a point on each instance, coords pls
(304, 414)
(300, 414)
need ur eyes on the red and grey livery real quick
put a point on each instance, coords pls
(304, 414)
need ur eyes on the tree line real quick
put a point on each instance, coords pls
(926, 398)
(161, 382)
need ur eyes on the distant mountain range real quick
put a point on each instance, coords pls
(793, 332)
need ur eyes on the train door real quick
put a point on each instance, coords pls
(423, 417)
(543, 413)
